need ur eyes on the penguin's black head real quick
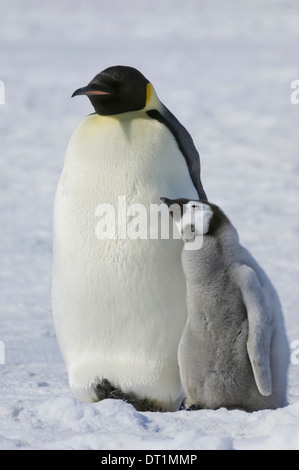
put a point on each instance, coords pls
(116, 90)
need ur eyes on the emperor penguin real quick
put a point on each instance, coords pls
(119, 303)
(234, 351)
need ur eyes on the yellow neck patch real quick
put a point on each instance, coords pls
(149, 90)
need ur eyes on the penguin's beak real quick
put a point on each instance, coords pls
(90, 91)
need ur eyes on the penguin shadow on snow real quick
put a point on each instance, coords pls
(234, 351)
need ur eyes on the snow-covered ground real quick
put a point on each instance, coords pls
(224, 68)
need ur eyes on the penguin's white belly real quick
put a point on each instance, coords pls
(119, 304)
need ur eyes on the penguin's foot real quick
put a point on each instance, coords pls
(193, 408)
(197, 407)
(140, 404)
(105, 390)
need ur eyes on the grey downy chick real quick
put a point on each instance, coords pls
(233, 352)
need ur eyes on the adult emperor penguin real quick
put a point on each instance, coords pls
(234, 351)
(119, 304)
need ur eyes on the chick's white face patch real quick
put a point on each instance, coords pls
(194, 224)
(202, 215)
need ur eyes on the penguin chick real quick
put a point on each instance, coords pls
(233, 352)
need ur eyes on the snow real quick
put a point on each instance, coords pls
(225, 70)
